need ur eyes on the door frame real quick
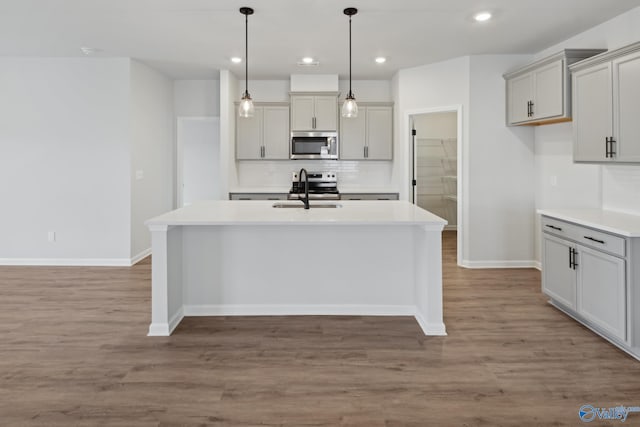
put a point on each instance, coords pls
(461, 175)
(179, 178)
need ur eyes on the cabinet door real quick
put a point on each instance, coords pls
(592, 112)
(326, 113)
(520, 92)
(276, 133)
(548, 99)
(379, 133)
(249, 136)
(601, 290)
(302, 113)
(558, 278)
(352, 136)
(626, 97)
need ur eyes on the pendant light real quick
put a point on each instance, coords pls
(350, 108)
(246, 103)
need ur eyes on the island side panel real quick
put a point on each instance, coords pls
(428, 279)
(166, 279)
(299, 269)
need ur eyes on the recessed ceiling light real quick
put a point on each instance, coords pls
(482, 16)
(90, 50)
(381, 59)
(307, 60)
(236, 60)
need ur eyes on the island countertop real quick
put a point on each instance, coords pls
(260, 212)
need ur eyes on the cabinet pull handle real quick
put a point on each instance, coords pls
(528, 108)
(531, 108)
(571, 258)
(575, 256)
(554, 227)
(612, 153)
(594, 240)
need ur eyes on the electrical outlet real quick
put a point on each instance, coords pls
(139, 174)
(554, 180)
(51, 235)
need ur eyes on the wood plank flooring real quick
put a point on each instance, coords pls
(73, 352)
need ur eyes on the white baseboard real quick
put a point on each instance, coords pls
(298, 310)
(142, 255)
(538, 265)
(64, 262)
(499, 264)
(77, 262)
(165, 329)
(437, 329)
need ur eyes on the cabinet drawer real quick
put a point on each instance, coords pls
(585, 236)
(559, 228)
(601, 241)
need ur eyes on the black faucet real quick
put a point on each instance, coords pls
(306, 187)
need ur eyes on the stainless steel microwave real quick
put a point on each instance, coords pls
(314, 145)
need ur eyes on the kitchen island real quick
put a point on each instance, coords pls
(220, 258)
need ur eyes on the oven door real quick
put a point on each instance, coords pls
(314, 147)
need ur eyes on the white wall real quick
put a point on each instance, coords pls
(580, 185)
(500, 170)
(64, 162)
(152, 149)
(427, 89)
(196, 98)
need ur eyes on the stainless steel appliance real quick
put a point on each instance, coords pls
(314, 145)
(322, 186)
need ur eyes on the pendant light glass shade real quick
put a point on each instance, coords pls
(350, 107)
(246, 108)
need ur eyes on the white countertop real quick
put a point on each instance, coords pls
(260, 212)
(613, 222)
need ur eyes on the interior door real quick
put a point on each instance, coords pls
(198, 140)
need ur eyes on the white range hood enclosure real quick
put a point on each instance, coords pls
(314, 83)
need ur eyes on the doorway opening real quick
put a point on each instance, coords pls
(198, 160)
(436, 170)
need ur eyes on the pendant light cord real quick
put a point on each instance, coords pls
(350, 92)
(246, 54)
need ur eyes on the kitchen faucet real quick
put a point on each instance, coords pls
(306, 187)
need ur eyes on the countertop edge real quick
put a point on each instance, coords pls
(581, 217)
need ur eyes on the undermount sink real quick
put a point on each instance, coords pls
(300, 205)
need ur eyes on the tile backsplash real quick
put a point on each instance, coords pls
(277, 174)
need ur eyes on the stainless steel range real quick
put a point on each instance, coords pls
(322, 186)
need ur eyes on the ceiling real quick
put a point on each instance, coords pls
(196, 38)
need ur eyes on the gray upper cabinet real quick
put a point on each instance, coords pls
(368, 136)
(540, 92)
(311, 112)
(265, 136)
(606, 102)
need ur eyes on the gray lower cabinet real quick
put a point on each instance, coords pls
(590, 275)
(369, 196)
(258, 196)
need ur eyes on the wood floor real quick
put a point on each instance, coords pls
(73, 352)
